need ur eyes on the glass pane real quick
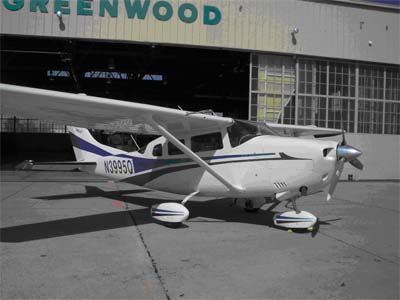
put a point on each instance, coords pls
(207, 142)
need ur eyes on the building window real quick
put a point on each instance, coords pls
(371, 82)
(326, 94)
(392, 118)
(342, 79)
(370, 116)
(272, 88)
(392, 84)
(316, 84)
(341, 114)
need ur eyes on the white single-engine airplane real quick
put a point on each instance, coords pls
(197, 154)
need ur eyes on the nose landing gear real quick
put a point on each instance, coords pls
(295, 219)
(172, 214)
(294, 205)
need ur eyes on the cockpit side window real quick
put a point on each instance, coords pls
(242, 131)
(173, 150)
(157, 150)
(207, 142)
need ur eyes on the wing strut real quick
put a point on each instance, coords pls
(197, 159)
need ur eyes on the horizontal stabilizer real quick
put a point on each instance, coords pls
(29, 164)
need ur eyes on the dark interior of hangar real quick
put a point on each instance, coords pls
(191, 78)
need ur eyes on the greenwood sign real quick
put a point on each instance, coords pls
(134, 9)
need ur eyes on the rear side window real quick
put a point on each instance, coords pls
(207, 142)
(142, 150)
(173, 150)
(157, 150)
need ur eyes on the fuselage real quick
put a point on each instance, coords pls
(262, 167)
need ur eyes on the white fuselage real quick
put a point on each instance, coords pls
(261, 167)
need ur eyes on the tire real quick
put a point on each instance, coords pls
(251, 210)
(173, 225)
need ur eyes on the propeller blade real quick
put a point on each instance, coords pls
(357, 164)
(343, 138)
(335, 178)
(344, 153)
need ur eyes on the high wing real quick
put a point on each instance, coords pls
(297, 130)
(101, 113)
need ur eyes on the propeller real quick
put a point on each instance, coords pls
(335, 178)
(344, 153)
(357, 164)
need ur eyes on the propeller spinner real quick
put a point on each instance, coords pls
(344, 153)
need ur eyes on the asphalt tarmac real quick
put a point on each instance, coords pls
(68, 235)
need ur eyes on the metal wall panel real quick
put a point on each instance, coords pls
(326, 29)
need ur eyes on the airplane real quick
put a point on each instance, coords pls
(197, 153)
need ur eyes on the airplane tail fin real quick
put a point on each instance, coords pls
(86, 148)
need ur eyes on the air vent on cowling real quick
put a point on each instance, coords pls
(280, 185)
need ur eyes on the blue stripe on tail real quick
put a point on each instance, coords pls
(83, 145)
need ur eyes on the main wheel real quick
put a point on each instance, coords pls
(251, 210)
(250, 206)
(173, 224)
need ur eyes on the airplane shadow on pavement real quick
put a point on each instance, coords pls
(218, 210)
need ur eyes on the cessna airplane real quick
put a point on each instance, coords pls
(197, 154)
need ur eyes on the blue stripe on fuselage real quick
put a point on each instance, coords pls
(145, 164)
(292, 218)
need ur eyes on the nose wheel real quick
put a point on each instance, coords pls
(295, 219)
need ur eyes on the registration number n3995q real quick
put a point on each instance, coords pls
(118, 166)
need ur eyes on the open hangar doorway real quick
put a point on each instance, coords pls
(191, 78)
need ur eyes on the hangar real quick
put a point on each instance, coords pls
(330, 63)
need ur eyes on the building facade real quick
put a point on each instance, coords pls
(329, 63)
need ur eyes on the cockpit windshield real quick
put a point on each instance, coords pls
(243, 131)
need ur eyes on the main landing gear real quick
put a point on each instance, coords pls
(295, 219)
(250, 205)
(172, 214)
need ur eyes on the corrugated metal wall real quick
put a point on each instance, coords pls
(325, 29)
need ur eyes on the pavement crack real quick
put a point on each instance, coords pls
(359, 248)
(17, 192)
(368, 205)
(152, 260)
